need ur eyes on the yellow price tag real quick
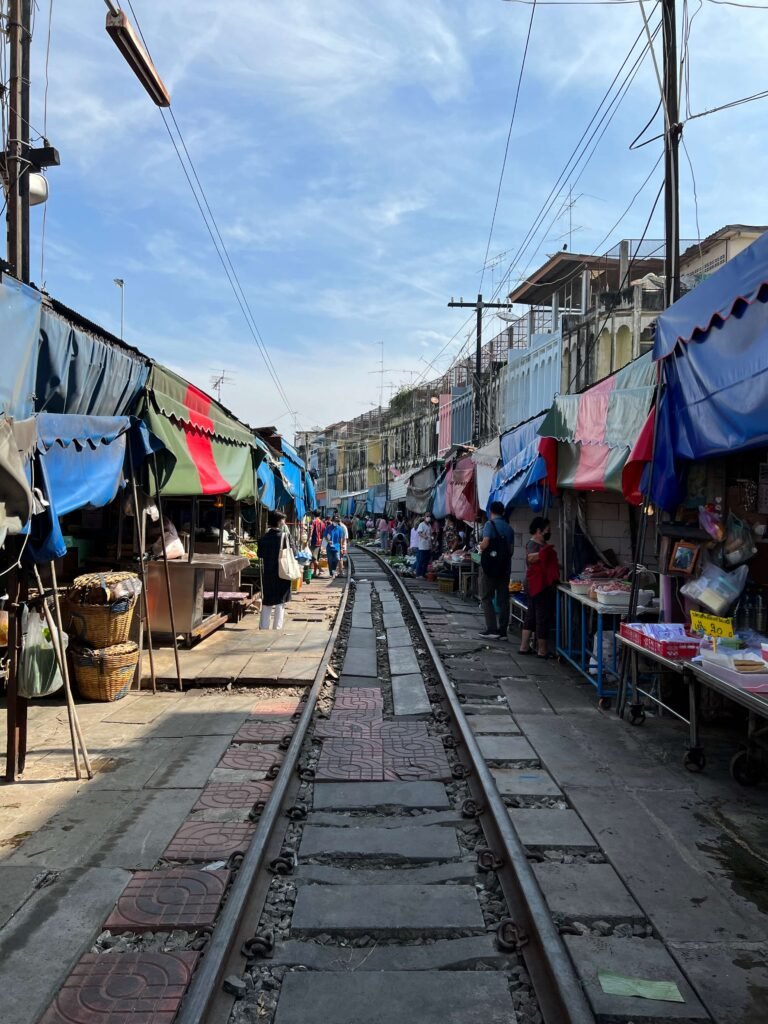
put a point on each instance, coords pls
(711, 625)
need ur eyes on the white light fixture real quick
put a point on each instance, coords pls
(38, 189)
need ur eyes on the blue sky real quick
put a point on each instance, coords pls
(351, 151)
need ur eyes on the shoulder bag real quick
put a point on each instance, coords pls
(287, 566)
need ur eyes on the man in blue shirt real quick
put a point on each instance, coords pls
(333, 539)
(496, 549)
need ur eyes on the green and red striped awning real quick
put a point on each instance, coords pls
(215, 453)
(588, 438)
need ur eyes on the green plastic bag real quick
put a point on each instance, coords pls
(39, 672)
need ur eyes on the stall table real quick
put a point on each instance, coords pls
(578, 651)
(746, 765)
(188, 593)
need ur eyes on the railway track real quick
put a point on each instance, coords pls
(386, 879)
(404, 889)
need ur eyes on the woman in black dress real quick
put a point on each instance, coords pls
(275, 592)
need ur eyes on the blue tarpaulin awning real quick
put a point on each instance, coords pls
(713, 343)
(79, 461)
(520, 481)
(83, 375)
(20, 331)
(309, 491)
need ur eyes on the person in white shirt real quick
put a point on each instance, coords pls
(344, 543)
(413, 545)
(424, 545)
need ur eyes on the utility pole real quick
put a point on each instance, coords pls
(673, 131)
(19, 36)
(480, 306)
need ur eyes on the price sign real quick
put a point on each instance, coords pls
(711, 625)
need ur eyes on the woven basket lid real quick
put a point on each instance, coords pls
(97, 587)
(115, 651)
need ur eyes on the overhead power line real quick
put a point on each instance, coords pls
(506, 148)
(219, 244)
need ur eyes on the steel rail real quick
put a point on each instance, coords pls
(207, 979)
(555, 982)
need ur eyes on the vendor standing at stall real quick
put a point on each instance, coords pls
(275, 591)
(316, 531)
(542, 575)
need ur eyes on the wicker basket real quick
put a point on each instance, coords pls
(106, 674)
(446, 584)
(99, 615)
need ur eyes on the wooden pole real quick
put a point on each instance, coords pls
(138, 515)
(61, 658)
(67, 684)
(167, 571)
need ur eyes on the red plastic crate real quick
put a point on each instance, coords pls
(677, 650)
(634, 635)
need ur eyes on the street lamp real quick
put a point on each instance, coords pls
(128, 43)
(121, 285)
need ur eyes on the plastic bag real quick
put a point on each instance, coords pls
(711, 521)
(39, 672)
(739, 542)
(716, 589)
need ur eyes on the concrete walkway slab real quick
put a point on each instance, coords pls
(71, 912)
(420, 845)
(494, 725)
(409, 696)
(363, 638)
(400, 637)
(542, 829)
(506, 748)
(429, 997)
(402, 661)
(390, 910)
(358, 681)
(531, 782)
(636, 958)
(360, 662)
(394, 620)
(439, 955)
(349, 796)
(586, 892)
(430, 874)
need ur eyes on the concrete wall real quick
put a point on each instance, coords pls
(531, 379)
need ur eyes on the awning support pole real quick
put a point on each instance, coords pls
(138, 515)
(71, 709)
(167, 572)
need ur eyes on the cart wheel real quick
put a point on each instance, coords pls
(695, 760)
(746, 770)
(604, 703)
(636, 716)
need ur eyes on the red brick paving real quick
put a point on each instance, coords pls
(123, 988)
(262, 732)
(163, 900)
(353, 698)
(276, 708)
(223, 795)
(209, 840)
(244, 759)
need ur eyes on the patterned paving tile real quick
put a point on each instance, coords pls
(346, 728)
(413, 768)
(358, 699)
(335, 770)
(123, 988)
(393, 730)
(246, 760)
(223, 795)
(272, 708)
(162, 900)
(209, 840)
(262, 732)
(413, 746)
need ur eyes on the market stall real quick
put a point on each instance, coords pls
(709, 477)
(215, 458)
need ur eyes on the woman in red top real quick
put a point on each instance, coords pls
(542, 574)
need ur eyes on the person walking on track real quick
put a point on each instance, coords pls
(496, 549)
(275, 591)
(424, 545)
(316, 531)
(333, 540)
